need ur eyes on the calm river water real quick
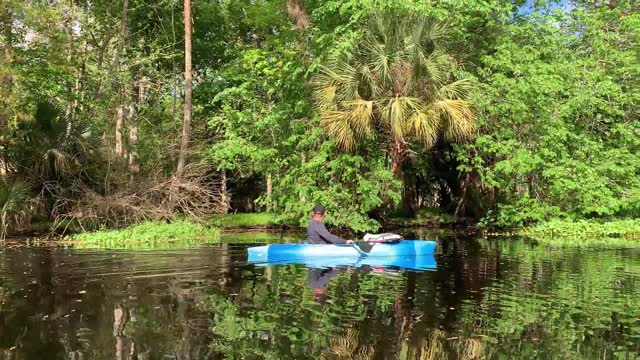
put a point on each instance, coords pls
(494, 298)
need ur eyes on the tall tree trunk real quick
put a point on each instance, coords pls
(269, 185)
(6, 78)
(122, 95)
(297, 14)
(119, 125)
(186, 124)
(226, 199)
(123, 32)
(6, 20)
(134, 167)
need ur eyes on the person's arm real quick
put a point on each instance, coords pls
(327, 236)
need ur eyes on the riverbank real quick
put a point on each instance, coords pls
(258, 227)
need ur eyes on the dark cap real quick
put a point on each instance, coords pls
(319, 209)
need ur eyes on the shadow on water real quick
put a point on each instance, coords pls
(488, 298)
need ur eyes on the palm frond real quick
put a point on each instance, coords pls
(361, 117)
(459, 89)
(458, 119)
(426, 126)
(324, 94)
(346, 79)
(13, 196)
(435, 66)
(369, 84)
(396, 117)
(337, 124)
(378, 60)
(396, 113)
(436, 32)
(14, 203)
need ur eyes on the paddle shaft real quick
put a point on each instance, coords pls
(353, 245)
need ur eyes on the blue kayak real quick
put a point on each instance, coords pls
(406, 254)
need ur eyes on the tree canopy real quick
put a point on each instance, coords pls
(508, 112)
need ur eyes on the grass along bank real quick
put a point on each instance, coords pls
(243, 221)
(149, 235)
(619, 233)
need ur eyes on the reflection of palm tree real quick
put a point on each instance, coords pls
(436, 346)
(345, 346)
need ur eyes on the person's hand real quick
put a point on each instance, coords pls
(349, 242)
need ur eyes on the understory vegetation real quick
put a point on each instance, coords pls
(585, 232)
(508, 113)
(149, 235)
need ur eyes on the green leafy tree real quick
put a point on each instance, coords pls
(559, 129)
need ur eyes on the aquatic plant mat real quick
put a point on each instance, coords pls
(149, 235)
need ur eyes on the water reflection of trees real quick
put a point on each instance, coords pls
(279, 319)
(105, 305)
(487, 299)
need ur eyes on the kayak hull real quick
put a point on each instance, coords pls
(408, 254)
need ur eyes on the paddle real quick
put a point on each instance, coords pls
(353, 245)
(362, 253)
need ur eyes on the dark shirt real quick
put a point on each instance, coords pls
(319, 278)
(318, 234)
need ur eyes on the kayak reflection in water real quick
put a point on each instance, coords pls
(318, 233)
(318, 281)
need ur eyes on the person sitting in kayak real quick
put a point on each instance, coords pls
(318, 233)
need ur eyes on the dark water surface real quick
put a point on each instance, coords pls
(487, 299)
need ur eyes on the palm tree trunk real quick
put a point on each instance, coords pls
(186, 124)
(397, 154)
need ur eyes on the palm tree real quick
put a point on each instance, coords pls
(398, 84)
(14, 201)
(52, 146)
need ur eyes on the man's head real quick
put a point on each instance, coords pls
(318, 212)
(320, 295)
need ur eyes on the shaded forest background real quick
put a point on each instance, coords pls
(94, 132)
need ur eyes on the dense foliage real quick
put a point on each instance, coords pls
(560, 133)
(91, 101)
